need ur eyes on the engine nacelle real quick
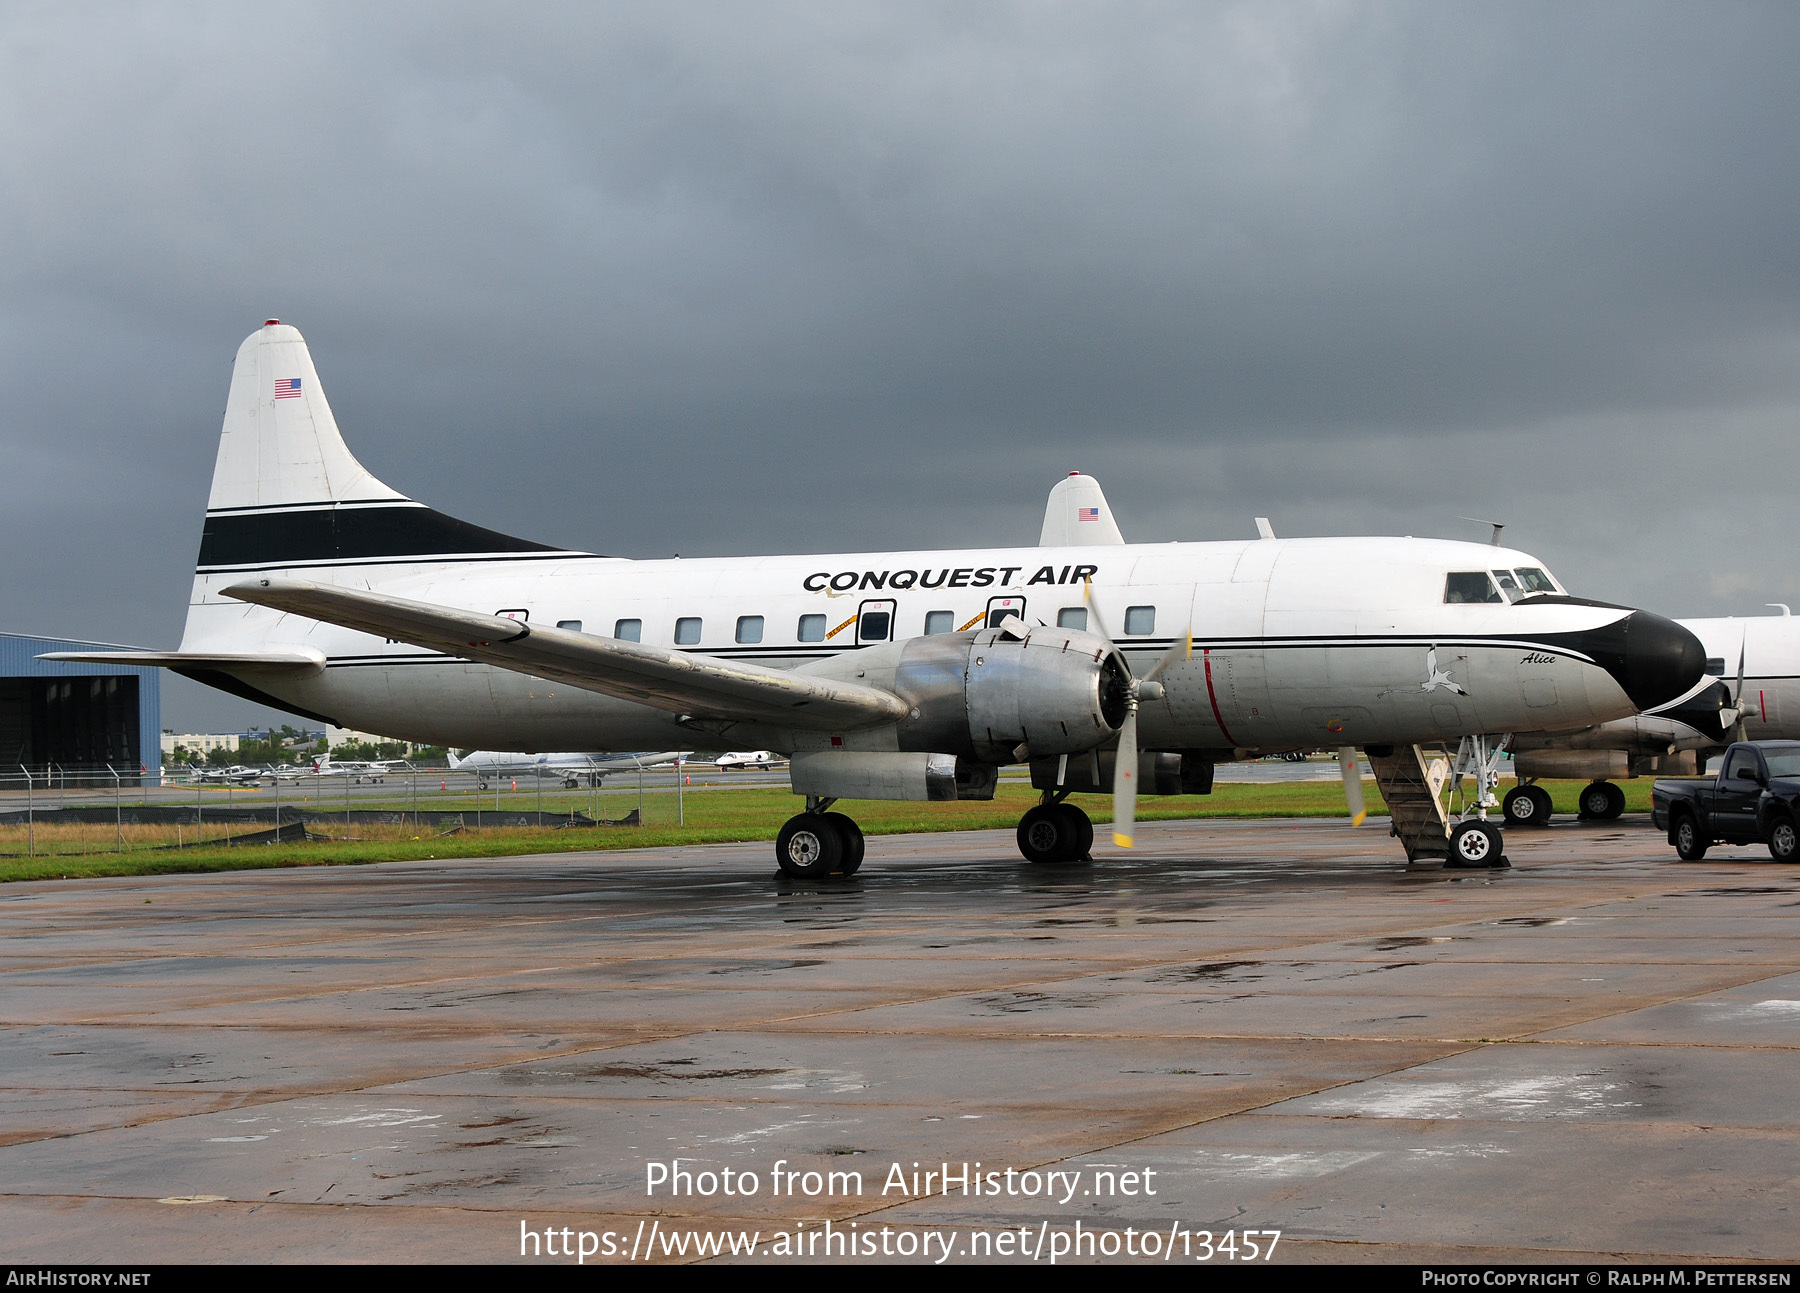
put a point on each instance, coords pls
(984, 693)
(1596, 765)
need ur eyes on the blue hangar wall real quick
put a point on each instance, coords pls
(79, 717)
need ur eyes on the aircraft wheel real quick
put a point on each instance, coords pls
(1047, 834)
(1596, 800)
(1083, 828)
(1784, 840)
(809, 846)
(1475, 844)
(1690, 844)
(1615, 802)
(853, 843)
(1526, 806)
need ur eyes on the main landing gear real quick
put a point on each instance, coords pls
(818, 844)
(1527, 806)
(1055, 831)
(1601, 801)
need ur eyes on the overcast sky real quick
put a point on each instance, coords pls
(730, 278)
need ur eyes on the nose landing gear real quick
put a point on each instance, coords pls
(1475, 841)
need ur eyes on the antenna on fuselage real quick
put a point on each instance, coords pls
(1498, 526)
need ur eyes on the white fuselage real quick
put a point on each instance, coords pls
(1297, 643)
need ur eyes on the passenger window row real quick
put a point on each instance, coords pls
(1140, 621)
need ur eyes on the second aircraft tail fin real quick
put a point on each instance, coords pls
(1077, 515)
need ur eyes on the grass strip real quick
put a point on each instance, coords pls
(65, 851)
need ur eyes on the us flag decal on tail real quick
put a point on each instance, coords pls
(287, 388)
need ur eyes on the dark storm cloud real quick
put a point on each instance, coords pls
(734, 279)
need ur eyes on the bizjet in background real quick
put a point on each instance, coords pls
(569, 768)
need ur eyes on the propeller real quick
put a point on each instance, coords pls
(1353, 787)
(1732, 714)
(1125, 765)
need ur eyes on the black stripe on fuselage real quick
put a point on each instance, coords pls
(1140, 646)
(326, 534)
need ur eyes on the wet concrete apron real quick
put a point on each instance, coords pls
(1590, 1054)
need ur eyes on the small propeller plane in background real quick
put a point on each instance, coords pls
(236, 775)
(1106, 666)
(358, 770)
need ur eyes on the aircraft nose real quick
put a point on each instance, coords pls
(1662, 660)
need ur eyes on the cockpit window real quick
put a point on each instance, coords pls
(1533, 580)
(1508, 587)
(1469, 586)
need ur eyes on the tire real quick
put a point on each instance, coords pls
(852, 835)
(1526, 806)
(1615, 803)
(1784, 839)
(1083, 844)
(1047, 834)
(809, 847)
(1596, 801)
(1475, 844)
(1690, 844)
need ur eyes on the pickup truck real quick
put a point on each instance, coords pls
(1756, 800)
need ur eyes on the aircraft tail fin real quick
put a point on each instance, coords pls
(287, 491)
(280, 446)
(1077, 515)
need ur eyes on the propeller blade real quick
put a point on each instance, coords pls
(1181, 649)
(1094, 617)
(1353, 787)
(1125, 770)
(1739, 730)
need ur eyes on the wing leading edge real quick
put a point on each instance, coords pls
(668, 680)
(300, 660)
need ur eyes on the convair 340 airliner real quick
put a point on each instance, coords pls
(905, 675)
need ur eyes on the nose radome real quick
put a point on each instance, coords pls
(1662, 660)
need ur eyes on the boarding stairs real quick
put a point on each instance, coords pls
(1412, 787)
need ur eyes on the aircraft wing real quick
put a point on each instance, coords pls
(668, 680)
(299, 659)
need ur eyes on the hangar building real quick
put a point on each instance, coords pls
(76, 718)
